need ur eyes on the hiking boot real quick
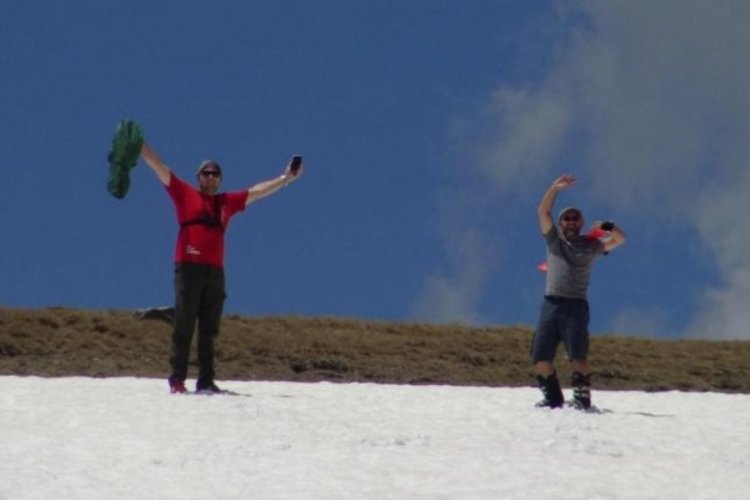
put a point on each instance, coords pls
(546, 403)
(553, 396)
(207, 387)
(176, 386)
(581, 391)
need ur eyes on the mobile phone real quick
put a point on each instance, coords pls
(296, 162)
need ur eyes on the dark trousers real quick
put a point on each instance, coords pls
(199, 297)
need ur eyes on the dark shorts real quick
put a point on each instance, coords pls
(561, 320)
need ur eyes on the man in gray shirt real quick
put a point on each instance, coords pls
(564, 314)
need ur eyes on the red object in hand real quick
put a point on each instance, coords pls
(596, 234)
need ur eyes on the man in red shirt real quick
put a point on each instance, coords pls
(203, 215)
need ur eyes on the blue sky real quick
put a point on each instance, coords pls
(430, 130)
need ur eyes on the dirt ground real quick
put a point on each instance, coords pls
(55, 342)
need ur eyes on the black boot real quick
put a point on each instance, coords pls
(581, 390)
(207, 387)
(553, 396)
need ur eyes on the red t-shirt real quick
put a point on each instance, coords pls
(203, 219)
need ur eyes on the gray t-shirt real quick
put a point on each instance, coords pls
(569, 264)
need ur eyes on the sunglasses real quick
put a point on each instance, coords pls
(211, 173)
(571, 218)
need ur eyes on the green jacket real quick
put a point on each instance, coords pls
(126, 148)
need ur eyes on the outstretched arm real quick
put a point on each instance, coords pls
(265, 188)
(152, 160)
(548, 200)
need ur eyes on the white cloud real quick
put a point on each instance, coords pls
(452, 298)
(726, 314)
(650, 98)
(631, 321)
(531, 127)
(670, 123)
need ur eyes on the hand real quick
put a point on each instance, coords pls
(290, 174)
(564, 182)
(604, 225)
(294, 169)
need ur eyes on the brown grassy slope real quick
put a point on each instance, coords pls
(64, 342)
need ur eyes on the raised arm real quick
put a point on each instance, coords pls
(265, 188)
(617, 235)
(152, 160)
(546, 222)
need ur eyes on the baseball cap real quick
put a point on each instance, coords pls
(209, 163)
(569, 209)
